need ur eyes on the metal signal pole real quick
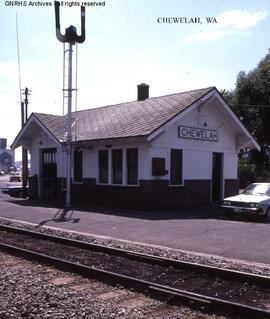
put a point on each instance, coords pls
(69, 133)
(70, 37)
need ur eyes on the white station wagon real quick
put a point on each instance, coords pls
(255, 199)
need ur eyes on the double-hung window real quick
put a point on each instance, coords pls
(176, 176)
(132, 166)
(103, 161)
(117, 166)
(78, 166)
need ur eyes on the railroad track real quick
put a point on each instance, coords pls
(159, 277)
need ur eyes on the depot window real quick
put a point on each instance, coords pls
(117, 166)
(176, 167)
(78, 166)
(103, 166)
(49, 156)
(132, 166)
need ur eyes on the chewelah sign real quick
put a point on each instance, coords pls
(198, 133)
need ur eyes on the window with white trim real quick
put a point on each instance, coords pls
(176, 169)
(103, 164)
(117, 166)
(132, 166)
(78, 166)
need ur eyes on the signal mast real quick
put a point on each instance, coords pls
(71, 37)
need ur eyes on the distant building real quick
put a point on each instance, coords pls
(6, 156)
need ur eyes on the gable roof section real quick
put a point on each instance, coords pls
(133, 119)
(55, 124)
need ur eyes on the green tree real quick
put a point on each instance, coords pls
(250, 100)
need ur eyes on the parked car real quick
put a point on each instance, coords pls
(255, 199)
(15, 177)
(14, 191)
(12, 170)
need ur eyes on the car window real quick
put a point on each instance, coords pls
(257, 189)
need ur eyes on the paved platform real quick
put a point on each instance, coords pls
(201, 230)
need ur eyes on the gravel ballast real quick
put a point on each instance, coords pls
(255, 268)
(32, 290)
(183, 279)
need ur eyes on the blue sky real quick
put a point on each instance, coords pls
(125, 45)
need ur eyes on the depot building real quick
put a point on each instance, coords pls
(165, 151)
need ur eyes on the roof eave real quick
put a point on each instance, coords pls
(16, 143)
(251, 143)
(109, 141)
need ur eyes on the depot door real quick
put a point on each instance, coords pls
(49, 172)
(217, 176)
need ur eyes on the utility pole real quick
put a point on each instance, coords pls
(24, 116)
(26, 92)
(71, 38)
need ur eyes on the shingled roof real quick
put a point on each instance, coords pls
(132, 119)
(55, 124)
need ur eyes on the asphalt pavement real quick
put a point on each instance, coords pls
(203, 230)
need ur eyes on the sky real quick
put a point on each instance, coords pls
(166, 44)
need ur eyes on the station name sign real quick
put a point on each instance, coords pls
(198, 133)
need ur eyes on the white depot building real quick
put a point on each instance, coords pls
(171, 150)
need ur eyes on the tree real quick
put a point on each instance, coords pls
(250, 100)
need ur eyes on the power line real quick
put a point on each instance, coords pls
(250, 105)
(18, 56)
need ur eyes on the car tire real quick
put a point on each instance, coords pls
(267, 215)
(228, 212)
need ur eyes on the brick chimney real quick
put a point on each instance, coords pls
(143, 91)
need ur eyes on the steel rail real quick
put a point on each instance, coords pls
(147, 258)
(161, 292)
